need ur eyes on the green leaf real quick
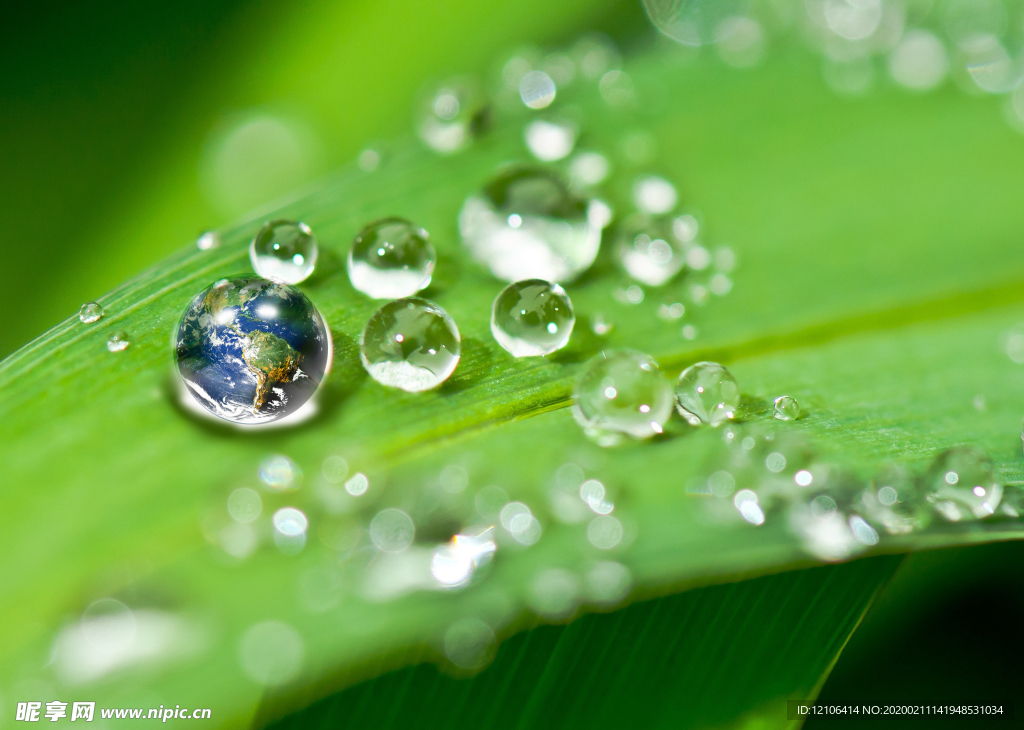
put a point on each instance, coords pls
(871, 288)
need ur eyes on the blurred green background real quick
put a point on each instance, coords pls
(121, 142)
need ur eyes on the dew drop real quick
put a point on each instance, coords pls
(284, 251)
(520, 523)
(608, 582)
(411, 344)
(604, 532)
(549, 141)
(271, 653)
(962, 485)
(747, 504)
(654, 195)
(244, 505)
(649, 249)
(207, 241)
(368, 160)
(532, 318)
(453, 114)
(588, 169)
(537, 89)
(707, 393)
(527, 224)
(775, 462)
(390, 259)
(553, 593)
(642, 400)
(118, 341)
(919, 62)
(290, 522)
(470, 644)
(392, 530)
(334, 469)
(280, 473)
(90, 312)
(357, 484)
(689, 332)
(454, 563)
(786, 408)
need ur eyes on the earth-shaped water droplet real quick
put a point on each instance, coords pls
(452, 114)
(527, 224)
(531, 318)
(622, 392)
(251, 350)
(390, 259)
(962, 485)
(786, 408)
(411, 344)
(284, 251)
(707, 393)
(649, 249)
(118, 341)
(90, 312)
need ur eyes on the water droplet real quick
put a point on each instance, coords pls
(721, 484)
(532, 318)
(864, 532)
(537, 89)
(284, 251)
(654, 195)
(118, 341)
(805, 478)
(592, 492)
(604, 532)
(675, 310)
(724, 257)
(919, 62)
(470, 644)
(553, 593)
(588, 169)
(489, 501)
(630, 295)
(90, 312)
(517, 518)
(271, 653)
(740, 41)
(357, 484)
(390, 259)
(622, 392)
(550, 140)
(251, 350)
(411, 344)
(720, 285)
(280, 473)
(746, 503)
(244, 505)
(649, 249)
(526, 224)
(207, 241)
(707, 393)
(689, 332)
(962, 485)
(601, 326)
(989, 65)
(334, 469)
(392, 530)
(775, 462)
(451, 116)
(368, 160)
(290, 525)
(608, 582)
(786, 408)
(692, 22)
(698, 258)
(454, 563)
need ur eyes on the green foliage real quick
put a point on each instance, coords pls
(870, 287)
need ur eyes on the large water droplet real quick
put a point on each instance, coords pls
(649, 249)
(118, 341)
(532, 318)
(526, 224)
(284, 251)
(786, 408)
(451, 116)
(962, 485)
(390, 259)
(90, 312)
(707, 393)
(251, 350)
(622, 392)
(411, 344)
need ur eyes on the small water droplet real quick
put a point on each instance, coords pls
(392, 530)
(368, 160)
(244, 505)
(694, 22)
(527, 224)
(604, 532)
(470, 644)
(550, 140)
(453, 114)
(532, 318)
(271, 653)
(919, 62)
(616, 88)
(489, 501)
(517, 518)
(411, 344)
(390, 259)
(805, 478)
(649, 249)
(707, 393)
(588, 169)
(454, 563)
(654, 195)
(280, 473)
(334, 469)
(720, 285)
(630, 295)
(675, 310)
(601, 326)
(207, 241)
(740, 41)
(689, 332)
(118, 341)
(775, 462)
(698, 258)
(290, 522)
(357, 484)
(640, 406)
(553, 593)
(962, 485)
(284, 251)
(608, 582)
(90, 312)
(537, 89)
(724, 258)
(786, 408)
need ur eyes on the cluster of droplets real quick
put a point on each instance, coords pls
(919, 46)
